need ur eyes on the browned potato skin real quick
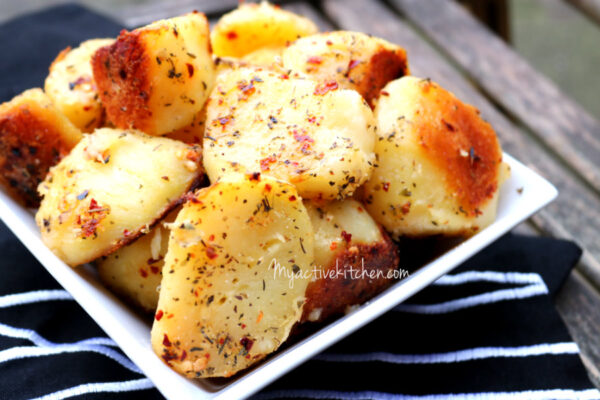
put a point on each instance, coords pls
(333, 295)
(130, 76)
(353, 59)
(33, 137)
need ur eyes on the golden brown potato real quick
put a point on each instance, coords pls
(355, 60)
(156, 78)
(316, 136)
(439, 165)
(134, 272)
(252, 26)
(113, 186)
(71, 87)
(354, 258)
(235, 274)
(34, 136)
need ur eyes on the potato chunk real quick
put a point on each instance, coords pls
(71, 87)
(439, 165)
(316, 136)
(227, 297)
(252, 26)
(156, 78)
(34, 136)
(113, 186)
(134, 272)
(354, 259)
(355, 60)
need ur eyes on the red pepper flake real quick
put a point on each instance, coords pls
(243, 326)
(266, 162)
(246, 88)
(329, 43)
(211, 252)
(325, 87)
(232, 35)
(154, 269)
(190, 69)
(360, 209)
(384, 93)
(211, 238)
(255, 176)
(353, 64)
(346, 236)
(164, 178)
(87, 108)
(268, 187)
(385, 186)
(312, 119)
(224, 121)
(302, 138)
(159, 315)
(292, 198)
(284, 76)
(94, 207)
(246, 342)
(333, 246)
(183, 355)
(314, 60)
(405, 208)
(143, 273)
(126, 232)
(260, 317)
(166, 341)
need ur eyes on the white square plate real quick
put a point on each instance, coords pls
(132, 333)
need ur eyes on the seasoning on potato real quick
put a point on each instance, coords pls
(235, 275)
(439, 164)
(315, 135)
(113, 186)
(34, 136)
(353, 59)
(71, 86)
(156, 78)
(254, 26)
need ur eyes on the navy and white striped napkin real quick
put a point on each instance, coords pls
(487, 331)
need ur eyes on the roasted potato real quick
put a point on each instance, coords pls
(316, 136)
(156, 78)
(252, 26)
(113, 186)
(34, 136)
(134, 271)
(71, 87)
(266, 57)
(192, 133)
(354, 259)
(355, 60)
(439, 164)
(234, 278)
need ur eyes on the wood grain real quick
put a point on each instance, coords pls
(565, 127)
(579, 305)
(575, 214)
(591, 8)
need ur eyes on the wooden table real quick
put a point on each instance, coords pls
(536, 123)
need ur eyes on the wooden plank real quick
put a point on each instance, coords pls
(576, 212)
(569, 130)
(591, 8)
(579, 306)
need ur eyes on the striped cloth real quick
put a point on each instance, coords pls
(487, 331)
